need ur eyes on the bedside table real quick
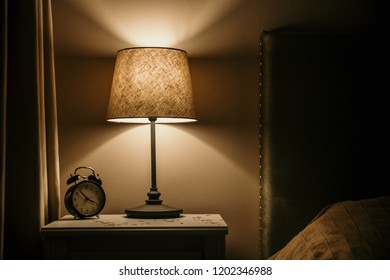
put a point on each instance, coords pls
(114, 236)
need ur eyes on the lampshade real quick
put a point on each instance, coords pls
(151, 83)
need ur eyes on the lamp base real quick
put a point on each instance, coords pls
(153, 211)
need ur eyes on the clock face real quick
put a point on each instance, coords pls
(88, 198)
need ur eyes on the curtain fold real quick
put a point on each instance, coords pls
(29, 163)
(3, 73)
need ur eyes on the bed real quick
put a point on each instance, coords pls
(347, 230)
(319, 199)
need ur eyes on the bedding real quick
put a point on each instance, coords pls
(347, 230)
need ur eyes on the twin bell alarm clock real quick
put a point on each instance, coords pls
(85, 197)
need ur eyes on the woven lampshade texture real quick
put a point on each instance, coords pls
(151, 83)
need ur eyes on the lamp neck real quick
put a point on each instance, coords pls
(153, 150)
(153, 194)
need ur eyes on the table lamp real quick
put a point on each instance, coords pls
(151, 85)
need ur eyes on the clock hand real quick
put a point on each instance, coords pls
(90, 200)
(87, 198)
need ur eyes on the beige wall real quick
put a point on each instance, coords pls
(211, 166)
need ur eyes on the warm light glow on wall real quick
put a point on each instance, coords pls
(155, 22)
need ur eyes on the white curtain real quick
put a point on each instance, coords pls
(29, 194)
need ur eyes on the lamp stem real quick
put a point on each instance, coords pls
(154, 208)
(153, 151)
(153, 194)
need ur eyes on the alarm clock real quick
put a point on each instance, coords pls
(86, 197)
